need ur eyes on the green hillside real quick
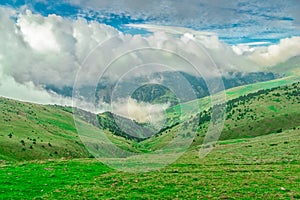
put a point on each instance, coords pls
(192, 107)
(30, 131)
(255, 114)
(42, 156)
(34, 132)
(272, 111)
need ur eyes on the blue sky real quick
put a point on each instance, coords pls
(235, 22)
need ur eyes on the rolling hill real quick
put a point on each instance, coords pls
(31, 131)
(251, 115)
(37, 132)
(257, 156)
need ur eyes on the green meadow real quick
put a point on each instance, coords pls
(257, 156)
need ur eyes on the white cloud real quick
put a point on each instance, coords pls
(274, 54)
(29, 92)
(37, 33)
(242, 49)
(140, 111)
(220, 53)
(46, 50)
(37, 51)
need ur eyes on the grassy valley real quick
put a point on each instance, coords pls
(257, 156)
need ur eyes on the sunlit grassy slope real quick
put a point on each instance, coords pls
(191, 108)
(258, 156)
(261, 113)
(29, 131)
(33, 132)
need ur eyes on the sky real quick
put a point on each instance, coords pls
(48, 42)
(240, 21)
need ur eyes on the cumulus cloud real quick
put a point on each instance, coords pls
(278, 53)
(242, 49)
(38, 34)
(209, 47)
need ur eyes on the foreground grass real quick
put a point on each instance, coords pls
(263, 167)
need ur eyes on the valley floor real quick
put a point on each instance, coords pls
(265, 167)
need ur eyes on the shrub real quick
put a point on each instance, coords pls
(22, 142)
(279, 130)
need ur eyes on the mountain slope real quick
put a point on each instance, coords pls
(30, 131)
(34, 132)
(255, 114)
(155, 87)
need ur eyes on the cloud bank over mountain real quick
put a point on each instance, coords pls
(37, 51)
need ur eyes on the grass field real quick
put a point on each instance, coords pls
(264, 167)
(42, 156)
